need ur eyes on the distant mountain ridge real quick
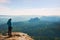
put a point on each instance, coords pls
(4, 18)
(51, 18)
(34, 19)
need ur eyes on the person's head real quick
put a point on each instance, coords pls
(10, 19)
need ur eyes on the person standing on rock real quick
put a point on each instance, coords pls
(9, 28)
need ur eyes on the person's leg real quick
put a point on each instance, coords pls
(10, 32)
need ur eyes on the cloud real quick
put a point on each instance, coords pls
(4, 9)
(4, 1)
(35, 11)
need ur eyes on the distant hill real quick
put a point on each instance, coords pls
(3, 21)
(51, 18)
(34, 19)
(4, 18)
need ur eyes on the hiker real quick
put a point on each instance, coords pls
(9, 28)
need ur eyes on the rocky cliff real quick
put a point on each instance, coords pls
(16, 36)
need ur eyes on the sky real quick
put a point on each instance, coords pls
(30, 7)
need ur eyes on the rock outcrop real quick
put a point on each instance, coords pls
(16, 36)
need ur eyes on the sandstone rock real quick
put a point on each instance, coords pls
(16, 36)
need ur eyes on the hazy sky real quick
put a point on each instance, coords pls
(30, 7)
